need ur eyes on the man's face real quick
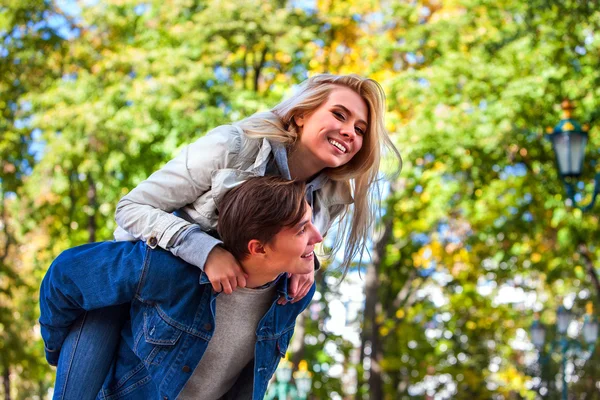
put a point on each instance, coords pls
(291, 250)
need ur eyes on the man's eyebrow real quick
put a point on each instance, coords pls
(301, 224)
(349, 112)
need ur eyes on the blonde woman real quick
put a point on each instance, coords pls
(329, 134)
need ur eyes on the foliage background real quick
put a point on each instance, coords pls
(475, 236)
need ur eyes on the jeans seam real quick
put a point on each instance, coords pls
(70, 364)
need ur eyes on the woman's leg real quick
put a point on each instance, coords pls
(88, 352)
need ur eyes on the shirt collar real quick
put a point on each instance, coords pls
(281, 159)
(280, 154)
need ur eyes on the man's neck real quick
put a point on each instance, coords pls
(255, 277)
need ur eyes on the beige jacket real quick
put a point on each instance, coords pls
(196, 180)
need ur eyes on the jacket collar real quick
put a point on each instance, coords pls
(338, 193)
(281, 282)
(262, 158)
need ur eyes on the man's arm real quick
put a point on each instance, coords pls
(86, 278)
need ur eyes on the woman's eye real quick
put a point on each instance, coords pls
(302, 231)
(359, 131)
(339, 115)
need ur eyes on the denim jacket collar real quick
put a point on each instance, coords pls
(281, 281)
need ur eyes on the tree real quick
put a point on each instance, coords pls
(28, 39)
(470, 114)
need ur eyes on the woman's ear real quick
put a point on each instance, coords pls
(299, 119)
(255, 248)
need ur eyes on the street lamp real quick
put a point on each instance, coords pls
(538, 334)
(563, 320)
(303, 379)
(590, 330)
(284, 389)
(284, 376)
(566, 344)
(569, 139)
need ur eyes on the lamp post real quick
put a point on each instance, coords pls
(564, 343)
(569, 139)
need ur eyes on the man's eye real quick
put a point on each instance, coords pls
(302, 231)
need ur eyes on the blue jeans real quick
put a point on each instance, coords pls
(88, 352)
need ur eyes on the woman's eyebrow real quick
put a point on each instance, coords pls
(349, 112)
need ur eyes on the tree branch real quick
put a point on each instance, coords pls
(589, 264)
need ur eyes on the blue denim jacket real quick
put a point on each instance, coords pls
(172, 318)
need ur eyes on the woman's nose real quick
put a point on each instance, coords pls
(347, 130)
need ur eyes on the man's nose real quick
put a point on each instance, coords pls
(316, 235)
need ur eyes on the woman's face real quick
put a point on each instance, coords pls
(333, 133)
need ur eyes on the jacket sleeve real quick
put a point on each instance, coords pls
(146, 212)
(86, 278)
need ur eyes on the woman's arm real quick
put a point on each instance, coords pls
(146, 212)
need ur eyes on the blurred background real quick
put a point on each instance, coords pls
(480, 239)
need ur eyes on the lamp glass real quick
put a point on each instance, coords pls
(564, 318)
(570, 152)
(590, 331)
(304, 385)
(284, 373)
(538, 334)
(578, 142)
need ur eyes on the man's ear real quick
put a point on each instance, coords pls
(256, 248)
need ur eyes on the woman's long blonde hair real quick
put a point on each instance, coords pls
(361, 172)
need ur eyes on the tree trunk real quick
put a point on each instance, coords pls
(370, 331)
(375, 373)
(258, 66)
(93, 203)
(245, 69)
(6, 382)
(4, 222)
(589, 265)
(73, 198)
(297, 345)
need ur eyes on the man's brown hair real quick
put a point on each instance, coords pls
(258, 209)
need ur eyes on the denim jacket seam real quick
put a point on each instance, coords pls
(178, 325)
(136, 340)
(130, 388)
(143, 273)
(128, 375)
(275, 337)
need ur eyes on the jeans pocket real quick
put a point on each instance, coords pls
(159, 338)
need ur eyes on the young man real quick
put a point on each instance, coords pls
(184, 340)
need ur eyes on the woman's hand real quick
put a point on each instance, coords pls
(224, 271)
(298, 286)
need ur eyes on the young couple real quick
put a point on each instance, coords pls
(200, 228)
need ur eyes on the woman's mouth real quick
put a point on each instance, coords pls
(341, 147)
